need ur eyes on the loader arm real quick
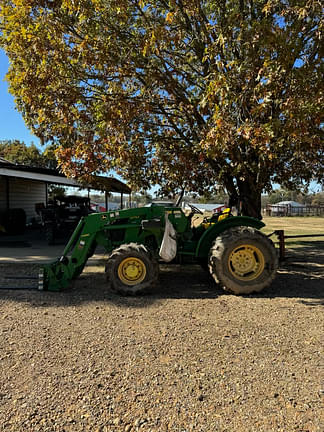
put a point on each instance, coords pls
(80, 247)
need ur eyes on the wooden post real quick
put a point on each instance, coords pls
(106, 200)
(46, 194)
(282, 249)
(7, 193)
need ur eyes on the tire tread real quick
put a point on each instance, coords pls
(228, 239)
(140, 251)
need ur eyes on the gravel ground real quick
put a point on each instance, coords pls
(185, 358)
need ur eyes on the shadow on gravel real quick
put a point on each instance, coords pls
(301, 276)
(306, 246)
(292, 283)
(308, 251)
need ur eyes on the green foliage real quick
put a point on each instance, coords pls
(180, 93)
(54, 191)
(285, 195)
(49, 158)
(219, 198)
(19, 153)
(142, 198)
(317, 199)
(307, 198)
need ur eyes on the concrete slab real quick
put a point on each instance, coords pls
(31, 247)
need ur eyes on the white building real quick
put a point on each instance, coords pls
(22, 187)
(287, 208)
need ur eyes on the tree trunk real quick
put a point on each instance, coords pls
(250, 198)
(245, 196)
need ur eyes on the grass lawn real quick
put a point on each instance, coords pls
(297, 226)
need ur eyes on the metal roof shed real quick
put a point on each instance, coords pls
(23, 186)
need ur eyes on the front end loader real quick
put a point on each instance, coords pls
(239, 257)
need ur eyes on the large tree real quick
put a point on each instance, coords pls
(181, 93)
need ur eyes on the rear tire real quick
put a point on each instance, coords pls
(131, 269)
(243, 260)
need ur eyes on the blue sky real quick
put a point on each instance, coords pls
(12, 125)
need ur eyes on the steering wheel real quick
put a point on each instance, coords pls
(195, 209)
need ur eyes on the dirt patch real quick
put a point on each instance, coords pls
(188, 357)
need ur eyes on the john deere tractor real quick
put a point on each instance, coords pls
(238, 256)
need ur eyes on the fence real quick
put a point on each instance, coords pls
(282, 237)
(289, 210)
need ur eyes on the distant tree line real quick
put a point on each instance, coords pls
(20, 153)
(308, 198)
(277, 195)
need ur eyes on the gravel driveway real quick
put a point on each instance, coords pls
(186, 358)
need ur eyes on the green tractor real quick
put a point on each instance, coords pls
(238, 256)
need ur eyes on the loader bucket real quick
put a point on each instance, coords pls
(54, 276)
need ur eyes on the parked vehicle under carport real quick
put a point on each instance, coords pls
(62, 215)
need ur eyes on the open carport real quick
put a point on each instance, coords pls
(23, 189)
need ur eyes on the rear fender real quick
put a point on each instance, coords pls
(213, 231)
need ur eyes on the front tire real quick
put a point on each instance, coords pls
(243, 260)
(131, 270)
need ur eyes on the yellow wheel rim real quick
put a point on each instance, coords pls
(132, 271)
(246, 262)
